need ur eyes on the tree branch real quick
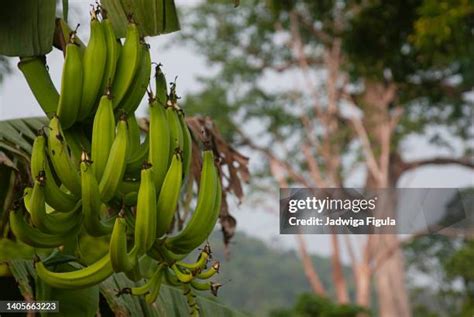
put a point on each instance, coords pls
(367, 148)
(466, 162)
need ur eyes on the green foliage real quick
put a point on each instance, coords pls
(382, 41)
(460, 263)
(447, 262)
(310, 305)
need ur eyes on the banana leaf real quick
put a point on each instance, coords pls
(171, 302)
(153, 17)
(16, 136)
(27, 27)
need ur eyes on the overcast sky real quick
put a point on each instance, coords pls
(17, 101)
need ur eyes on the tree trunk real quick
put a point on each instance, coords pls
(380, 122)
(390, 284)
(337, 272)
(310, 272)
(390, 275)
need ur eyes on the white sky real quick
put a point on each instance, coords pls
(16, 101)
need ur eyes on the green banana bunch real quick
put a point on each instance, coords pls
(103, 134)
(169, 195)
(93, 176)
(206, 213)
(94, 63)
(127, 64)
(116, 163)
(36, 73)
(91, 203)
(71, 85)
(82, 278)
(59, 153)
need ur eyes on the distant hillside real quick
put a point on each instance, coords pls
(262, 278)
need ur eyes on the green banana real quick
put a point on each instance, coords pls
(127, 64)
(59, 153)
(128, 186)
(146, 212)
(176, 133)
(34, 237)
(82, 278)
(200, 263)
(134, 136)
(159, 152)
(207, 286)
(38, 155)
(137, 158)
(161, 252)
(113, 51)
(136, 91)
(103, 133)
(172, 113)
(121, 259)
(54, 223)
(94, 66)
(161, 87)
(169, 195)
(74, 144)
(183, 275)
(187, 145)
(154, 290)
(214, 215)
(115, 167)
(54, 196)
(71, 85)
(151, 288)
(205, 215)
(36, 73)
(91, 203)
(204, 275)
(171, 278)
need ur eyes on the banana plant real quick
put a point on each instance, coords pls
(63, 233)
